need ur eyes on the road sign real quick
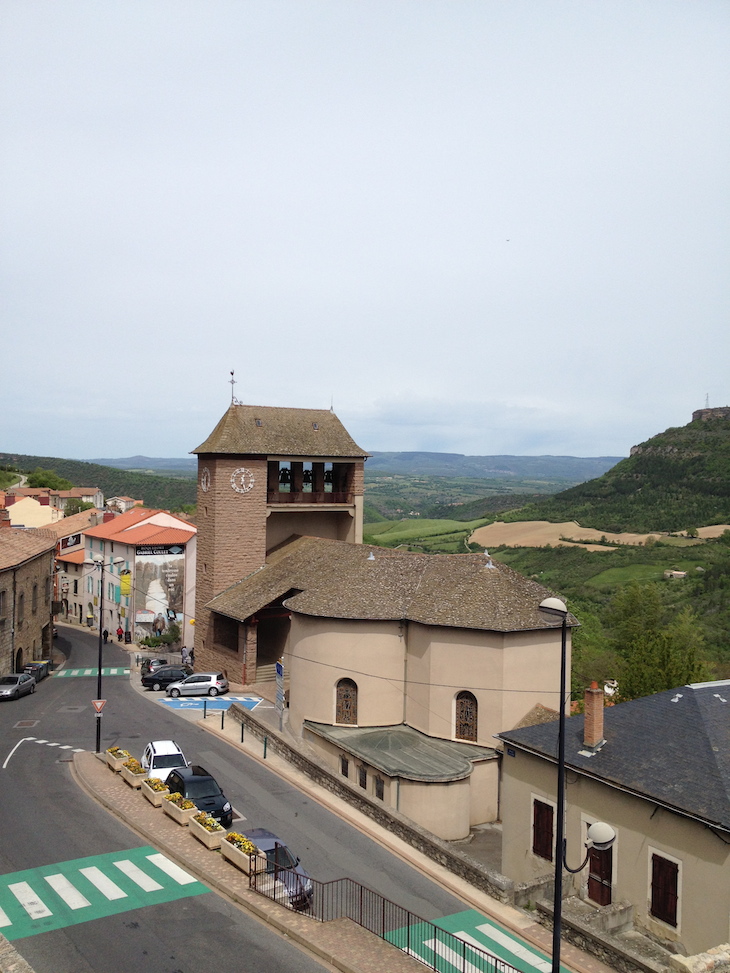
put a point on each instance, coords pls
(98, 705)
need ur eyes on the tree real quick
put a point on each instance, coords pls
(48, 478)
(75, 506)
(635, 613)
(592, 656)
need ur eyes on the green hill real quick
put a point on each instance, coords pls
(673, 481)
(156, 491)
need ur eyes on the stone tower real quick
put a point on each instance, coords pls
(264, 475)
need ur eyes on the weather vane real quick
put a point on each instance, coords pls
(232, 382)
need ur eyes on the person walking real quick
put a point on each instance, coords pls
(120, 633)
(105, 635)
(192, 656)
(184, 654)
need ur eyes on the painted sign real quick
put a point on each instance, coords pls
(160, 587)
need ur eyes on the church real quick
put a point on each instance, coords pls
(402, 667)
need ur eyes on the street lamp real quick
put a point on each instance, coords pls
(99, 563)
(600, 835)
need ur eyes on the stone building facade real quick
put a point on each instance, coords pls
(26, 578)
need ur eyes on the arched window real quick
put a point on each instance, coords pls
(346, 708)
(466, 716)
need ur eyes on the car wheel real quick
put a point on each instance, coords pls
(212, 691)
(157, 686)
(32, 688)
(174, 693)
(16, 694)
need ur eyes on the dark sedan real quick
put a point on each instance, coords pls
(197, 785)
(164, 676)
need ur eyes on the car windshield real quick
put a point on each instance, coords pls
(8, 680)
(196, 789)
(167, 760)
(281, 856)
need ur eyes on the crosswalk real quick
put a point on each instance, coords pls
(92, 671)
(54, 896)
(452, 952)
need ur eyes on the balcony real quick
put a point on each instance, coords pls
(308, 496)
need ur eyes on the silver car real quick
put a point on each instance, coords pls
(199, 684)
(16, 685)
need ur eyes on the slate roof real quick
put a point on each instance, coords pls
(266, 431)
(672, 748)
(401, 751)
(18, 545)
(336, 579)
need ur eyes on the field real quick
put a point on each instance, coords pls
(540, 533)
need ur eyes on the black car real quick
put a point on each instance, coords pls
(196, 784)
(161, 678)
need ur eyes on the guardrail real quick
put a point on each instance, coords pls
(346, 899)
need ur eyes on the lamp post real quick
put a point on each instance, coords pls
(99, 563)
(600, 835)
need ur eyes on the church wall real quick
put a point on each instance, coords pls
(442, 808)
(336, 525)
(324, 650)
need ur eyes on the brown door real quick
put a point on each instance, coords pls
(600, 869)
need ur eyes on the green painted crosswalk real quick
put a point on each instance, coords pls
(54, 896)
(467, 937)
(93, 671)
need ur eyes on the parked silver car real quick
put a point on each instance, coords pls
(199, 684)
(15, 685)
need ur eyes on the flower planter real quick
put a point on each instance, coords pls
(134, 780)
(177, 814)
(241, 859)
(115, 764)
(211, 839)
(154, 797)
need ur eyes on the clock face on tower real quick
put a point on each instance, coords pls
(205, 479)
(242, 480)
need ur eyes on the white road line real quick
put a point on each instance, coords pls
(29, 900)
(52, 744)
(4, 921)
(132, 871)
(170, 868)
(451, 956)
(87, 672)
(41, 741)
(517, 949)
(64, 746)
(68, 892)
(99, 880)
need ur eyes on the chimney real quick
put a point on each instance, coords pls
(593, 729)
(44, 500)
(108, 515)
(10, 499)
(4, 518)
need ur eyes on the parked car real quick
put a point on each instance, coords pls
(149, 665)
(160, 757)
(197, 785)
(162, 677)
(285, 867)
(16, 685)
(199, 684)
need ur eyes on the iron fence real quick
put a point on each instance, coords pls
(344, 898)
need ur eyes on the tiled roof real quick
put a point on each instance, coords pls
(75, 557)
(75, 524)
(154, 534)
(266, 431)
(672, 748)
(401, 751)
(18, 545)
(120, 523)
(335, 579)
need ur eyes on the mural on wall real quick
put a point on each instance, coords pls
(160, 582)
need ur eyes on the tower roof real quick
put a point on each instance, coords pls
(269, 431)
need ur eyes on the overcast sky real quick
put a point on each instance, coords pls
(473, 226)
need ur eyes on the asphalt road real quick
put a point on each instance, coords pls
(48, 820)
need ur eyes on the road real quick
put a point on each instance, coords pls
(51, 821)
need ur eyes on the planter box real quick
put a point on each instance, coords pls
(115, 763)
(134, 780)
(211, 839)
(241, 859)
(177, 814)
(154, 797)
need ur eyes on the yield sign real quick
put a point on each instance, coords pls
(98, 704)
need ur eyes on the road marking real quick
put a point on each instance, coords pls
(68, 893)
(104, 884)
(176, 873)
(134, 872)
(211, 702)
(94, 671)
(29, 900)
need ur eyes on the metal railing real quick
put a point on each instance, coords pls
(346, 899)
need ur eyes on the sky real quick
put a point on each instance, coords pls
(469, 226)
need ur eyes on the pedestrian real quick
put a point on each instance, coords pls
(192, 657)
(120, 633)
(106, 635)
(184, 654)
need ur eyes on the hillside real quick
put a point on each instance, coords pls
(156, 491)
(568, 469)
(675, 480)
